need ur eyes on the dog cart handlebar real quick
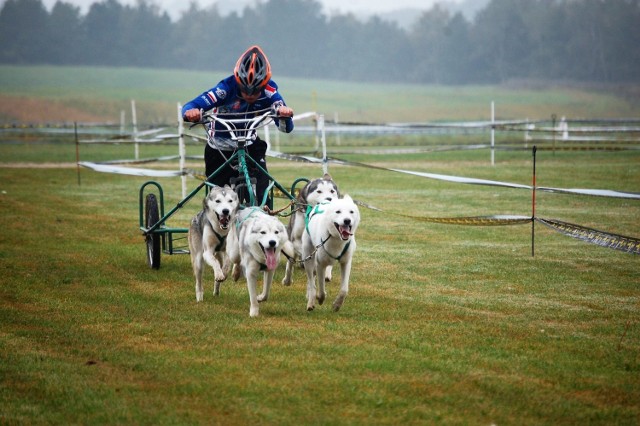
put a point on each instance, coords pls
(159, 237)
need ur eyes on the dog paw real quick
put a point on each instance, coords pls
(337, 304)
(310, 308)
(253, 312)
(199, 296)
(321, 298)
(262, 298)
(286, 282)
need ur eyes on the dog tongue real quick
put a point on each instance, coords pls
(270, 255)
(344, 232)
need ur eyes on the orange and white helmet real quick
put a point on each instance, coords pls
(252, 70)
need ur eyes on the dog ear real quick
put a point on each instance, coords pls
(302, 194)
(347, 198)
(256, 227)
(326, 176)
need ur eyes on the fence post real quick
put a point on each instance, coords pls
(323, 138)
(267, 136)
(533, 205)
(325, 164)
(335, 120)
(135, 129)
(316, 146)
(182, 151)
(554, 118)
(75, 132)
(277, 143)
(493, 131)
(564, 126)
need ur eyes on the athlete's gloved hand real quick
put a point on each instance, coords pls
(284, 111)
(193, 115)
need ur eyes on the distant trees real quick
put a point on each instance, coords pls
(581, 40)
(65, 28)
(24, 31)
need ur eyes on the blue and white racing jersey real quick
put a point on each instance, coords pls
(224, 98)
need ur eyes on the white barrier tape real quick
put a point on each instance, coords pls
(594, 192)
(464, 125)
(141, 160)
(308, 159)
(459, 179)
(465, 180)
(104, 168)
(291, 157)
(578, 191)
(124, 140)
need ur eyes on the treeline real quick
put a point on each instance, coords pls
(567, 40)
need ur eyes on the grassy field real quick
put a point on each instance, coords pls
(444, 324)
(46, 94)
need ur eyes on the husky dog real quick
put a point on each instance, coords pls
(329, 237)
(255, 244)
(315, 191)
(208, 236)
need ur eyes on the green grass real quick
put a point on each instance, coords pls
(104, 92)
(444, 324)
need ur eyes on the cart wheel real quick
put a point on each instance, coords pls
(152, 239)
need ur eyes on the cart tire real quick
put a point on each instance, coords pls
(152, 239)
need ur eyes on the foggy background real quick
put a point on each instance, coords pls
(465, 42)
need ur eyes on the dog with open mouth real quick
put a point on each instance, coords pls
(256, 241)
(329, 238)
(208, 236)
(315, 191)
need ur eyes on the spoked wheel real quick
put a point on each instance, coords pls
(152, 216)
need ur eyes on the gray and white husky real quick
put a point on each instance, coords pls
(329, 238)
(315, 191)
(208, 236)
(255, 243)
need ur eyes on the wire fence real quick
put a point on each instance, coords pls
(382, 138)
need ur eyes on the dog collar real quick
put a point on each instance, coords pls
(221, 238)
(344, 250)
(323, 242)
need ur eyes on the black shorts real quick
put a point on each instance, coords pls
(214, 159)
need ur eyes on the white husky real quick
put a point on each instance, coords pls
(315, 191)
(208, 235)
(255, 243)
(329, 237)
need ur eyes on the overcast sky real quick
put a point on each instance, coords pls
(175, 7)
